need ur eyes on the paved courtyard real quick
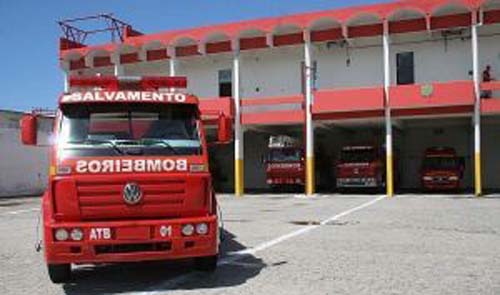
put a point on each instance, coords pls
(286, 244)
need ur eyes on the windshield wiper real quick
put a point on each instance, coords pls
(98, 141)
(158, 141)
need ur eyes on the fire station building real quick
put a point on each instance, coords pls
(405, 75)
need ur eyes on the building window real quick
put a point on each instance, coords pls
(405, 68)
(225, 83)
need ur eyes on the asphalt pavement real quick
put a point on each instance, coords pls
(289, 244)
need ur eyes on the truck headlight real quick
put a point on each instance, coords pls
(428, 178)
(453, 178)
(76, 234)
(202, 228)
(61, 234)
(197, 168)
(187, 229)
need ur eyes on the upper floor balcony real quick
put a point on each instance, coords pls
(430, 60)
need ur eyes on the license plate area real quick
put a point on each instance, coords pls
(133, 233)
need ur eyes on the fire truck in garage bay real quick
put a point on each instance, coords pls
(442, 169)
(285, 162)
(128, 176)
(361, 166)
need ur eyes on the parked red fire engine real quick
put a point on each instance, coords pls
(442, 169)
(285, 163)
(128, 177)
(361, 166)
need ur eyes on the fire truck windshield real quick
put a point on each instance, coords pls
(358, 156)
(436, 163)
(131, 129)
(285, 155)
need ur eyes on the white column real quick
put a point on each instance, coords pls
(66, 75)
(118, 67)
(310, 182)
(388, 122)
(118, 70)
(477, 108)
(172, 63)
(238, 129)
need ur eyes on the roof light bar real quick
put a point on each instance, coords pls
(114, 83)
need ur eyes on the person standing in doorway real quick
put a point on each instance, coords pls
(487, 77)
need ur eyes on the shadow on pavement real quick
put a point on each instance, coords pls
(165, 275)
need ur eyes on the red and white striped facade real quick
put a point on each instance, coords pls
(347, 45)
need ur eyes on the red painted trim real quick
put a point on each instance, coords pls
(348, 100)
(214, 106)
(445, 94)
(77, 64)
(188, 50)
(491, 17)
(490, 106)
(458, 109)
(365, 30)
(288, 39)
(326, 35)
(273, 118)
(405, 26)
(217, 47)
(450, 21)
(493, 85)
(65, 44)
(304, 20)
(129, 32)
(253, 43)
(272, 101)
(102, 61)
(156, 54)
(128, 58)
(349, 115)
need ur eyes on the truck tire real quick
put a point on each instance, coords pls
(207, 264)
(59, 273)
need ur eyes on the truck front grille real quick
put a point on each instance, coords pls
(132, 248)
(103, 199)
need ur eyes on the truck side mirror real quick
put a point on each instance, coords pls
(29, 126)
(225, 130)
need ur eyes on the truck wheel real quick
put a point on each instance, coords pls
(59, 273)
(208, 264)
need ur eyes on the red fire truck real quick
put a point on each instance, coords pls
(285, 163)
(128, 176)
(442, 169)
(361, 166)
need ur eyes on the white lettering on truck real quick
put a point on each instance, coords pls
(132, 96)
(100, 233)
(131, 165)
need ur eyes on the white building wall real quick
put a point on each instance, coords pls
(276, 72)
(23, 169)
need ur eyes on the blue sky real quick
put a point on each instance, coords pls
(30, 76)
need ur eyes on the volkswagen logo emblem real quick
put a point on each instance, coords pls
(132, 193)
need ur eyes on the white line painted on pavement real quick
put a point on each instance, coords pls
(234, 256)
(265, 245)
(20, 211)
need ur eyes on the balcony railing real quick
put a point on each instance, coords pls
(279, 110)
(330, 104)
(490, 105)
(432, 98)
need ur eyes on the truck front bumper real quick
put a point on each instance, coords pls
(135, 240)
(355, 182)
